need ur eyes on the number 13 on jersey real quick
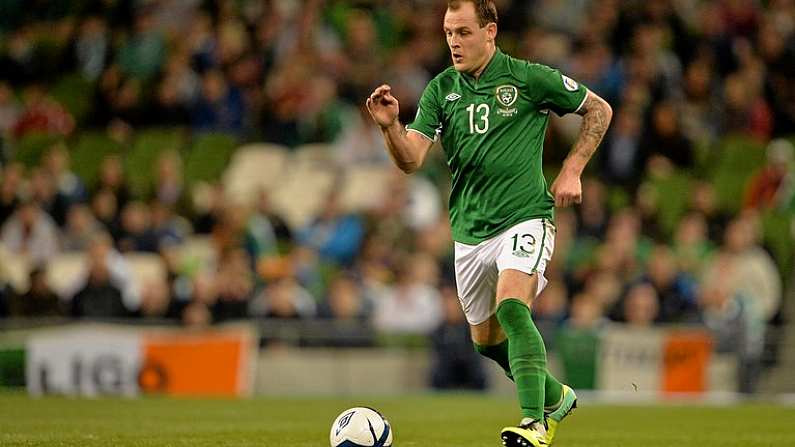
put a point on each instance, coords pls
(480, 123)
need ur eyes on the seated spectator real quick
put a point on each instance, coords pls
(455, 364)
(691, 246)
(10, 185)
(768, 187)
(413, 306)
(43, 191)
(106, 210)
(675, 290)
(234, 285)
(754, 273)
(42, 114)
(136, 229)
(735, 321)
(67, 184)
(39, 300)
(156, 301)
(641, 306)
(336, 235)
(586, 314)
(665, 141)
(284, 299)
(111, 179)
(220, 106)
(100, 296)
(31, 232)
(345, 301)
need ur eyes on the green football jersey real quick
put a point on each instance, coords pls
(492, 131)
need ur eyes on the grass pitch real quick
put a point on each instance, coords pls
(418, 421)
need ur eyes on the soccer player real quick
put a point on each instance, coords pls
(491, 112)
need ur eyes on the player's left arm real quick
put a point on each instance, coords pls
(596, 113)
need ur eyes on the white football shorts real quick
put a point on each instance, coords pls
(526, 247)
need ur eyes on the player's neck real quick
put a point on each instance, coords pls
(489, 56)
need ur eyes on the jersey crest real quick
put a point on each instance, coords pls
(506, 97)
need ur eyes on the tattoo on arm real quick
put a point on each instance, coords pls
(596, 115)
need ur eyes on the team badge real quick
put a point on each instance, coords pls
(506, 97)
(569, 83)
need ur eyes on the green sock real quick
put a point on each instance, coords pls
(553, 390)
(527, 356)
(498, 353)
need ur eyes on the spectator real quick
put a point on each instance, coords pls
(111, 179)
(455, 364)
(754, 274)
(641, 306)
(31, 232)
(39, 300)
(665, 139)
(80, 228)
(136, 229)
(42, 114)
(220, 107)
(413, 306)
(11, 182)
(336, 235)
(768, 187)
(736, 322)
(100, 295)
(346, 301)
(675, 290)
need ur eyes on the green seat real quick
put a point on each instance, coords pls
(142, 158)
(673, 199)
(778, 237)
(208, 157)
(89, 151)
(739, 158)
(75, 94)
(31, 147)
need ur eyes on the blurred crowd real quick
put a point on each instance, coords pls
(680, 75)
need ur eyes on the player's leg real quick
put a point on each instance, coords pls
(524, 252)
(490, 341)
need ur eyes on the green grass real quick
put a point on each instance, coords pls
(421, 421)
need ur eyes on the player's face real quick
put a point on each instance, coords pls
(467, 40)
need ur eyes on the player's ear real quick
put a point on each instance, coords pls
(491, 31)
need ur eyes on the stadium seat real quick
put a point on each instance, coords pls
(145, 267)
(63, 271)
(90, 149)
(737, 160)
(14, 270)
(148, 146)
(31, 147)
(308, 156)
(208, 157)
(364, 187)
(301, 196)
(75, 94)
(254, 167)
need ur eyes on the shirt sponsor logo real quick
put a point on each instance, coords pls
(569, 83)
(506, 97)
(452, 97)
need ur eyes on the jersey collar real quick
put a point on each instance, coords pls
(493, 66)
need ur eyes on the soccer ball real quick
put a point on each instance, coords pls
(360, 427)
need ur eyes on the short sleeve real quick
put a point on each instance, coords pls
(428, 121)
(553, 90)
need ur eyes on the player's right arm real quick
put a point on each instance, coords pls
(407, 149)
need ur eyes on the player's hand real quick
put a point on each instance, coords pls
(383, 107)
(567, 189)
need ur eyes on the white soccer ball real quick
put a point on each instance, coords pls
(360, 427)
